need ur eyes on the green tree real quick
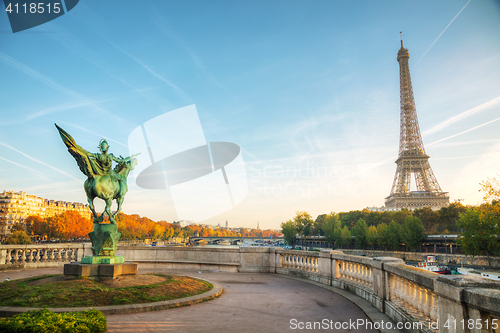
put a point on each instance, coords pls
(303, 223)
(392, 235)
(400, 215)
(359, 231)
(330, 227)
(428, 217)
(289, 229)
(344, 237)
(380, 233)
(18, 237)
(413, 232)
(448, 217)
(349, 219)
(372, 236)
(481, 230)
(318, 225)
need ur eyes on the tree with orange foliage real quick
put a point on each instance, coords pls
(74, 225)
(67, 225)
(34, 225)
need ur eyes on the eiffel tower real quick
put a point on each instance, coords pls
(412, 158)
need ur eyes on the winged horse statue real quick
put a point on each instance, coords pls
(102, 181)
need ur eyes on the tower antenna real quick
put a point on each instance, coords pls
(401, 34)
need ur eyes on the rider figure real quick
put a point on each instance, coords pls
(105, 161)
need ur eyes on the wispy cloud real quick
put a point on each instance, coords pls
(442, 32)
(96, 134)
(38, 173)
(75, 45)
(462, 116)
(179, 91)
(167, 31)
(51, 83)
(38, 161)
(463, 132)
(47, 111)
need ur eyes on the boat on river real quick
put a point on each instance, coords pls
(492, 275)
(430, 264)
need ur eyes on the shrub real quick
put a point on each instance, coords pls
(18, 237)
(46, 321)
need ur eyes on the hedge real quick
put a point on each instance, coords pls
(46, 321)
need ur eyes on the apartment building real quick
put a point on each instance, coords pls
(15, 207)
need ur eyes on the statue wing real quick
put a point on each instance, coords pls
(81, 155)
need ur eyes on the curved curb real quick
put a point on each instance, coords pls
(216, 291)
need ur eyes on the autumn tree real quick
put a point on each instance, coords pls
(18, 227)
(490, 188)
(34, 225)
(74, 225)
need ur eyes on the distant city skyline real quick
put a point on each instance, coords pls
(308, 89)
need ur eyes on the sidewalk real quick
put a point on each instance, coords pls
(249, 303)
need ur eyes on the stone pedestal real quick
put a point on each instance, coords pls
(104, 239)
(77, 270)
(103, 260)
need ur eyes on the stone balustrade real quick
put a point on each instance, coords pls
(300, 262)
(356, 273)
(40, 255)
(420, 300)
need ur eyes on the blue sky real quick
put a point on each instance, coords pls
(308, 89)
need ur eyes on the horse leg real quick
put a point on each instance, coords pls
(119, 202)
(92, 209)
(107, 210)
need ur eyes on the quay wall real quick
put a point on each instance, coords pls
(441, 258)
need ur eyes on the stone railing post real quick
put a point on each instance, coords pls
(456, 306)
(337, 267)
(380, 277)
(3, 256)
(325, 267)
(273, 259)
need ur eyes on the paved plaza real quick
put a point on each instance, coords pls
(251, 302)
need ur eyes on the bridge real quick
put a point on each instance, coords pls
(411, 297)
(233, 240)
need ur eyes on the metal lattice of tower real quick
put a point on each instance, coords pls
(412, 158)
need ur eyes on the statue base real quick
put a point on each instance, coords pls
(103, 260)
(78, 270)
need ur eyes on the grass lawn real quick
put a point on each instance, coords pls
(53, 291)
